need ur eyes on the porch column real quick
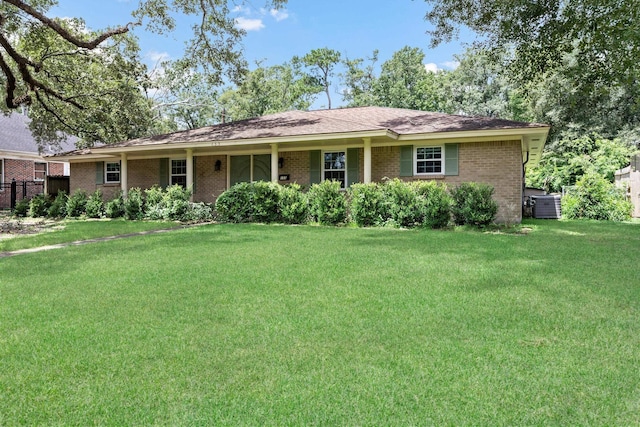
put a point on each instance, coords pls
(274, 162)
(124, 184)
(367, 160)
(190, 171)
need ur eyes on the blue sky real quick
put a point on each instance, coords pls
(353, 27)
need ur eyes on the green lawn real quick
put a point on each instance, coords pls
(277, 325)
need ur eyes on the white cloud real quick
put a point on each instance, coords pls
(239, 9)
(158, 56)
(279, 15)
(431, 67)
(451, 64)
(249, 24)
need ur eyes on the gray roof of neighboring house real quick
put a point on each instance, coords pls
(16, 136)
(324, 122)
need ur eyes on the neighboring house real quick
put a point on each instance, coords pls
(21, 160)
(630, 178)
(364, 144)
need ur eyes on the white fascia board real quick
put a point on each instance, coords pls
(21, 155)
(516, 134)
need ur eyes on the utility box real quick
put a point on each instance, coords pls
(547, 206)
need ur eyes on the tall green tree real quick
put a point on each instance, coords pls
(321, 65)
(42, 82)
(267, 90)
(404, 82)
(358, 80)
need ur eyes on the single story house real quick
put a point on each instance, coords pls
(351, 145)
(22, 160)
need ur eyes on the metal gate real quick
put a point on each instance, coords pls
(14, 191)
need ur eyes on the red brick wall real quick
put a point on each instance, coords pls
(209, 183)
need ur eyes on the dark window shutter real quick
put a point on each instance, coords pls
(315, 167)
(353, 165)
(451, 159)
(406, 160)
(99, 172)
(164, 173)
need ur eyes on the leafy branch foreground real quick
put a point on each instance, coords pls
(273, 325)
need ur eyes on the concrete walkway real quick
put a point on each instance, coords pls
(97, 239)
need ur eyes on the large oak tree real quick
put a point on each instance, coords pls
(88, 83)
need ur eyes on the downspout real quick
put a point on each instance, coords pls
(524, 181)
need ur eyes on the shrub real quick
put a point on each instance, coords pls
(236, 204)
(266, 202)
(328, 203)
(294, 205)
(175, 202)
(436, 204)
(473, 204)
(404, 207)
(200, 212)
(95, 205)
(39, 205)
(22, 208)
(77, 204)
(133, 205)
(58, 208)
(596, 198)
(115, 208)
(153, 199)
(367, 204)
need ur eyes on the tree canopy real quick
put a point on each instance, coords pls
(85, 82)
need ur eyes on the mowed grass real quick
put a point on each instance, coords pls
(278, 325)
(67, 231)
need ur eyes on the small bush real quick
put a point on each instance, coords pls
(133, 205)
(266, 202)
(294, 205)
(39, 205)
(115, 208)
(21, 209)
(236, 204)
(328, 203)
(595, 197)
(58, 208)
(473, 204)
(95, 205)
(77, 204)
(175, 202)
(200, 212)
(436, 204)
(153, 202)
(367, 205)
(403, 205)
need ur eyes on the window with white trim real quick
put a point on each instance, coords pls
(178, 172)
(335, 167)
(429, 160)
(39, 171)
(1, 173)
(111, 172)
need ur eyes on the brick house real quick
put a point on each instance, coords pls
(363, 144)
(21, 159)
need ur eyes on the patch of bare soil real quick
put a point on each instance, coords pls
(13, 227)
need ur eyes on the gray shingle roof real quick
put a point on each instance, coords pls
(16, 136)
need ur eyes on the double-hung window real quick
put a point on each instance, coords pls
(429, 160)
(39, 171)
(335, 166)
(112, 172)
(179, 172)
